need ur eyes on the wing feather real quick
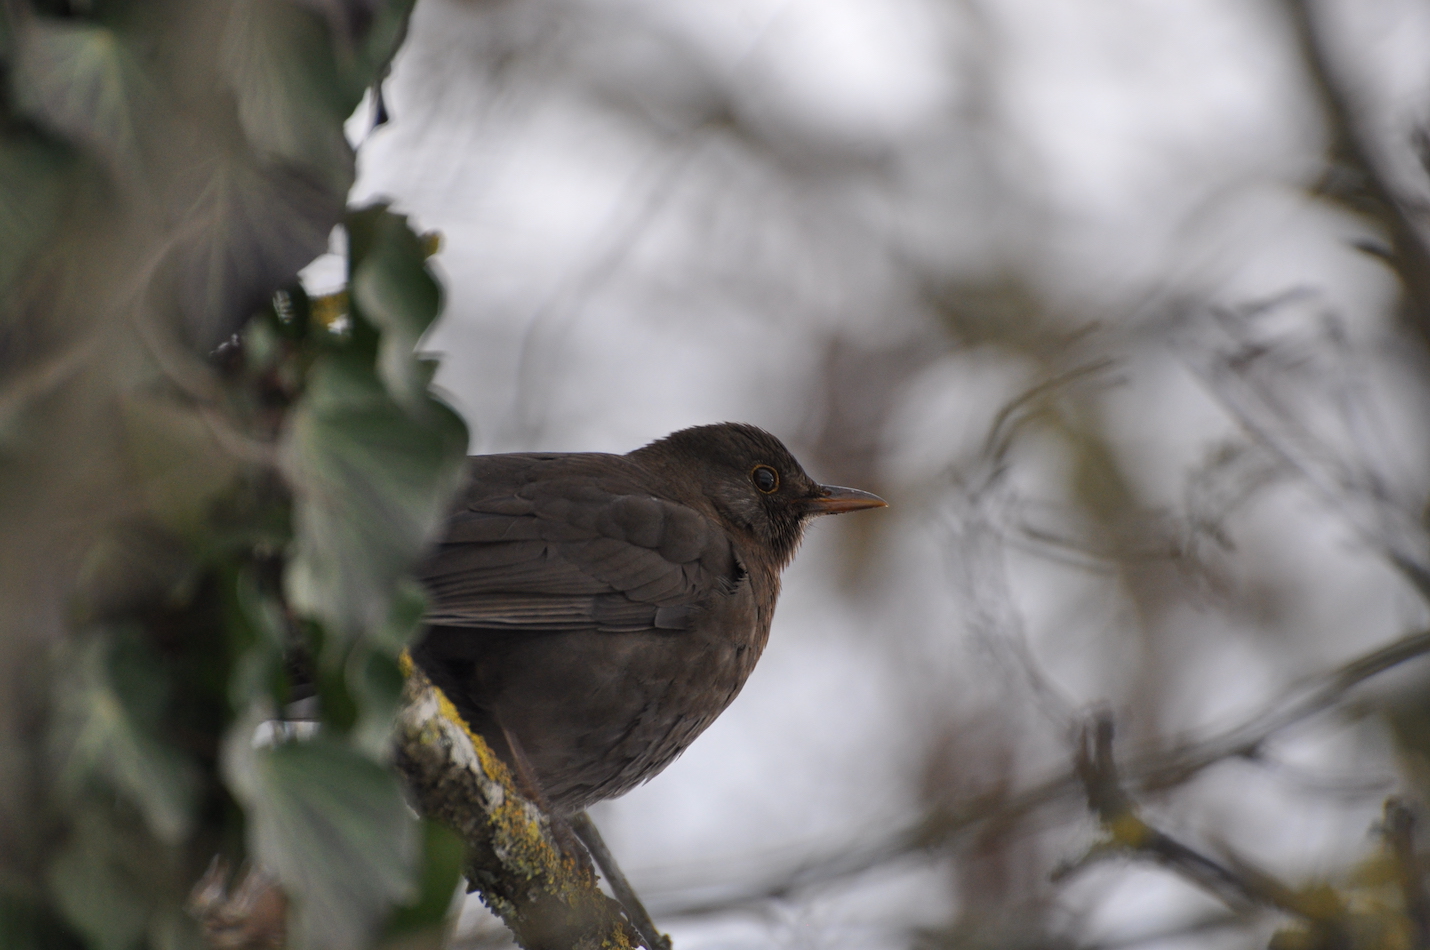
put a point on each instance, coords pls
(540, 545)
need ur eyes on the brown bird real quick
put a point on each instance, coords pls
(591, 614)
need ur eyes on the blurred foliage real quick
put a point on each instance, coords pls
(204, 474)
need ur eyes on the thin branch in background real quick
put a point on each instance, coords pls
(1209, 924)
(976, 569)
(554, 316)
(1129, 833)
(975, 512)
(1371, 190)
(1054, 532)
(1313, 695)
(1232, 474)
(932, 836)
(1398, 828)
(1343, 786)
(1250, 380)
(1026, 408)
(1322, 917)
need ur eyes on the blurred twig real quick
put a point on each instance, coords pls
(1323, 918)
(1129, 833)
(1027, 407)
(1399, 831)
(250, 915)
(1141, 773)
(1155, 769)
(1372, 192)
(989, 610)
(1238, 378)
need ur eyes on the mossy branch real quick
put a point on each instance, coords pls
(545, 894)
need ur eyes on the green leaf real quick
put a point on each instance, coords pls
(385, 33)
(80, 80)
(110, 694)
(178, 461)
(392, 289)
(422, 922)
(250, 230)
(96, 878)
(25, 925)
(257, 629)
(409, 605)
(371, 486)
(278, 58)
(332, 825)
(376, 680)
(32, 194)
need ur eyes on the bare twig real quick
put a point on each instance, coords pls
(1399, 831)
(977, 571)
(1236, 379)
(1022, 410)
(1320, 914)
(1140, 773)
(1129, 833)
(1352, 146)
(250, 916)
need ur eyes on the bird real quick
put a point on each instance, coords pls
(590, 614)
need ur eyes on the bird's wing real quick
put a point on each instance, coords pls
(562, 551)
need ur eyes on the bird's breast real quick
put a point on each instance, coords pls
(599, 713)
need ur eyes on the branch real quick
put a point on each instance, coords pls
(1128, 833)
(250, 915)
(1142, 773)
(547, 896)
(1399, 831)
(1408, 254)
(1324, 918)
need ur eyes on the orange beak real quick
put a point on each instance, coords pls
(834, 500)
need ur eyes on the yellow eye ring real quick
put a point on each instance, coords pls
(766, 479)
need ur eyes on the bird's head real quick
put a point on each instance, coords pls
(755, 484)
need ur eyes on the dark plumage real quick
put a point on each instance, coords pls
(604, 609)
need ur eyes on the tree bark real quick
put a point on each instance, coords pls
(546, 894)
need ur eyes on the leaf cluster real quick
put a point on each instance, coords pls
(212, 486)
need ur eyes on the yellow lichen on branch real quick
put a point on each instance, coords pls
(544, 891)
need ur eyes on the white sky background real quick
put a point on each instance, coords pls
(664, 214)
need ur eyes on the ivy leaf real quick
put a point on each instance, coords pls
(250, 229)
(177, 460)
(110, 697)
(332, 825)
(80, 80)
(370, 32)
(32, 193)
(96, 875)
(257, 627)
(279, 60)
(375, 680)
(371, 485)
(420, 924)
(392, 289)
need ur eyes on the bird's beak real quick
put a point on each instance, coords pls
(833, 500)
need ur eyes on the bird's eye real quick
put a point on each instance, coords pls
(765, 478)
